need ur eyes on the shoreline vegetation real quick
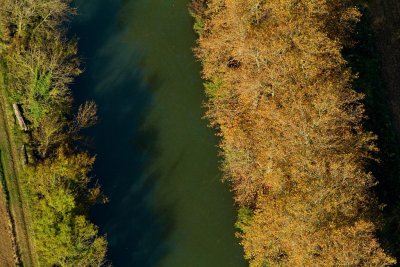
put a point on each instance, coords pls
(294, 145)
(51, 189)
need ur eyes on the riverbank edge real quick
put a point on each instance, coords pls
(22, 164)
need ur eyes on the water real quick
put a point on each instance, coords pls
(156, 159)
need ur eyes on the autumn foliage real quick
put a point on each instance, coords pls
(291, 126)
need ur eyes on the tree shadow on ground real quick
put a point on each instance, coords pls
(365, 60)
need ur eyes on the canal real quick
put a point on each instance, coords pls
(156, 159)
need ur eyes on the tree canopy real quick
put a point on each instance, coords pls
(39, 64)
(292, 138)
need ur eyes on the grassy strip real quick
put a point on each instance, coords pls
(12, 170)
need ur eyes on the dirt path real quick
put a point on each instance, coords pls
(386, 24)
(7, 250)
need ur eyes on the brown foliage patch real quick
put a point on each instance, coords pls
(292, 132)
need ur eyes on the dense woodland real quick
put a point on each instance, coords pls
(38, 64)
(294, 147)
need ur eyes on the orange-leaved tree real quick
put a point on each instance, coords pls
(291, 126)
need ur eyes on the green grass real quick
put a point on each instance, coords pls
(39, 96)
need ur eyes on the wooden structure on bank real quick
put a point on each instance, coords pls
(24, 155)
(19, 117)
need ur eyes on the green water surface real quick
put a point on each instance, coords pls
(157, 160)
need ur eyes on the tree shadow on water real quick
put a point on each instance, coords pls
(124, 145)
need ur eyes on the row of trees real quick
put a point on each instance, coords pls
(291, 126)
(39, 63)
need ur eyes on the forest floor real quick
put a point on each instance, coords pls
(386, 25)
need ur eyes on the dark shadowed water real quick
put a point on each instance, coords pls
(156, 159)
